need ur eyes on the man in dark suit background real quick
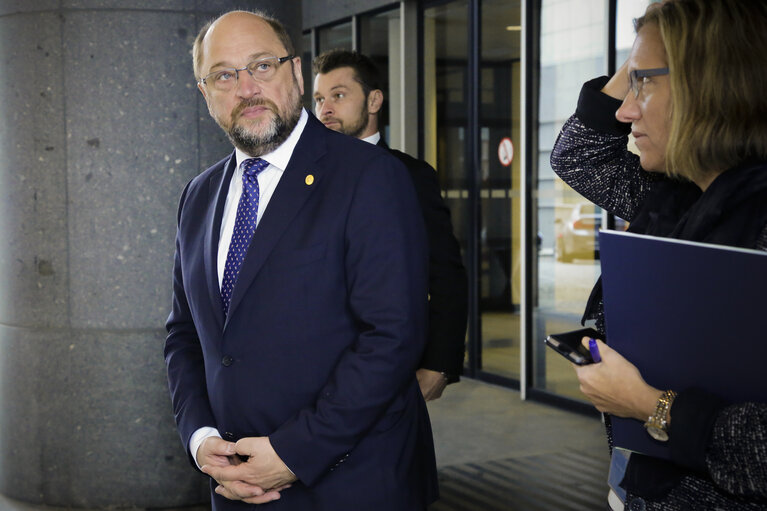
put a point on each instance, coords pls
(348, 98)
(299, 299)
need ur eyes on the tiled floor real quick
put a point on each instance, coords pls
(497, 453)
(568, 481)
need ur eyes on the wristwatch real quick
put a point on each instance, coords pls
(656, 425)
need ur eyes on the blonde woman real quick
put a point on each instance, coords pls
(693, 95)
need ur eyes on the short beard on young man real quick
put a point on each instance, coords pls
(357, 128)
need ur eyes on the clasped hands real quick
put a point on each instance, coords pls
(258, 480)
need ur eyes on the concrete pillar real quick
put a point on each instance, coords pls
(100, 128)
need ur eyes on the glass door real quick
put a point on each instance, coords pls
(472, 121)
(500, 255)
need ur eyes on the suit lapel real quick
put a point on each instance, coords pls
(289, 196)
(218, 188)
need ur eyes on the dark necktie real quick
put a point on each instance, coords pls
(244, 226)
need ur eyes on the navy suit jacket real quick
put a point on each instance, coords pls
(326, 327)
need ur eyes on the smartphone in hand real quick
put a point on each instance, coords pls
(568, 344)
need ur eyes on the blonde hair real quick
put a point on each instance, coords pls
(279, 29)
(716, 51)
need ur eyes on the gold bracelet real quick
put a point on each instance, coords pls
(657, 425)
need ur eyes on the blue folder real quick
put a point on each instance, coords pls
(687, 315)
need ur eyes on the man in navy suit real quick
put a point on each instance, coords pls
(291, 350)
(348, 98)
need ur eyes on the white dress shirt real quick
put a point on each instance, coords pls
(374, 138)
(267, 182)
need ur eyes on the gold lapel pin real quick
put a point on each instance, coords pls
(309, 179)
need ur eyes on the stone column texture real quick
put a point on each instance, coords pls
(101, 126)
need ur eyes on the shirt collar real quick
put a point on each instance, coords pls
(374, 138)
(280, 156)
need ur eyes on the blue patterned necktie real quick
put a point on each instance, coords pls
(244, 226)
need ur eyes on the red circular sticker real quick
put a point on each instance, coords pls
(505, 151)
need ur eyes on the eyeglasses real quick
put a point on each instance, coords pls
(262, 70)
(637, 77)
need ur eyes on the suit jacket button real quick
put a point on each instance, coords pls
(229, 436)
(227, 360)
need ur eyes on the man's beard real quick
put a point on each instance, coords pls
(356, 128)
(277, 130)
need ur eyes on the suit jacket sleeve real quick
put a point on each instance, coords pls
(184, 360)
(386, 274)
(448, 289)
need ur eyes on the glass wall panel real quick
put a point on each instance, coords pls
(380, 40)
(500, 278)
(573, 49)
(306, 69)
(573, 35)
(445, 68)
(336, 36)
(627, 11)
